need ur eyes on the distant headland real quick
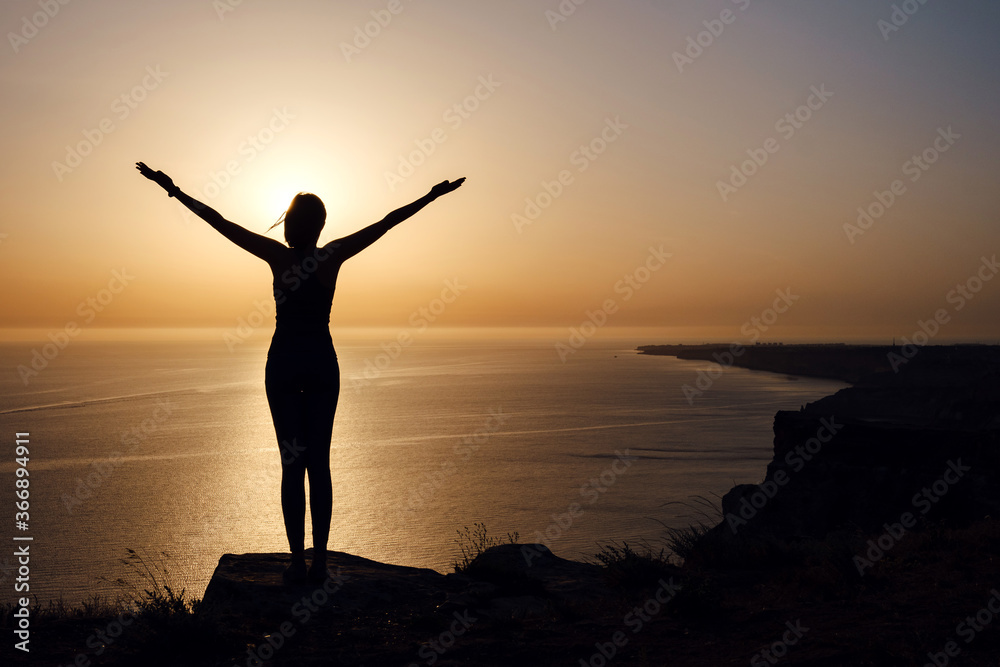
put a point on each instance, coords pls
(834, 361)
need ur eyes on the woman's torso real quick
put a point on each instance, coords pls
(304, 282)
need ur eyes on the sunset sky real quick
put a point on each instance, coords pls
(629, 124)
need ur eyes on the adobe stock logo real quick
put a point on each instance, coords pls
(787, 126)
(121, 107)
(31, 25)
(914, 169)
(455, 116)
(697, 44)
(628, 286)
(563, 11)
(899, 17)
(365, 34)
(582, 158)
(59, 339)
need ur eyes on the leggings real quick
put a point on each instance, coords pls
(302, 381)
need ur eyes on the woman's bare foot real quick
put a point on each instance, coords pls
(295, 573)
(317, 571)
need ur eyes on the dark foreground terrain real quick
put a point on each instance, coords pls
(872, 540)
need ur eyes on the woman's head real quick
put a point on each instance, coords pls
(304, 220)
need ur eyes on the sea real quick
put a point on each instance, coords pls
(165, 449)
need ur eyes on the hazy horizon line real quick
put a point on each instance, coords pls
(649, 335)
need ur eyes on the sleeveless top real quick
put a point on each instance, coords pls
(302, 307)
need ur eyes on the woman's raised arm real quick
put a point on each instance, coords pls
(260, 246)
(351, 245)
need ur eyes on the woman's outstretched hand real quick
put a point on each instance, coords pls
(444, 187)
(157, 177)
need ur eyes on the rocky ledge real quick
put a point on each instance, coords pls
(514, 602)
(519, 580)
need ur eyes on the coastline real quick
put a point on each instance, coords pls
(834, 361)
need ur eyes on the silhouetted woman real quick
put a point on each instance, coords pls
(302, 377)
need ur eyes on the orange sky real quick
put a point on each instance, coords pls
(623, 129)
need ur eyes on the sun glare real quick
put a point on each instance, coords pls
(271, 191)
(269, 200)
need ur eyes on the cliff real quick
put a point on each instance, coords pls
(923, 440)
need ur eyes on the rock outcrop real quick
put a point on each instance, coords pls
(368, 612)
(251, 584)
(510, 580)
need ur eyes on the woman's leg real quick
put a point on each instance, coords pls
(320, 409)
(286, 412)
(319, 406)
